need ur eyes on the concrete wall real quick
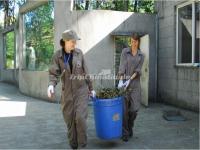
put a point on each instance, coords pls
(177, 85)
(34, 83)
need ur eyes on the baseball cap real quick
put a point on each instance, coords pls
(70, 35)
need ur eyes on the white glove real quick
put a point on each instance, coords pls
(126, 84)
(120, 84)
(50, 91)
(93, 93)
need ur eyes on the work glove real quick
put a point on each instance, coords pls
(50, 91)
(93, 93)
(120, 84)
(126, 84)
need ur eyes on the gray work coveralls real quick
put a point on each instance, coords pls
(74, 96)
(130, 64)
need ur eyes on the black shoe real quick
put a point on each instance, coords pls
(125, 138)
(131, 133)
(74, 146)
(83, 146)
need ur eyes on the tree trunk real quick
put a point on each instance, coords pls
(6, 9)
(97, 4)
(126, 3)
(87, 4)
(9, 12)
(135, 5)
(116, 6)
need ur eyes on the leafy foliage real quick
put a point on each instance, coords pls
(9, 8)
(39, 32)
(107, 93)
(142, 6)
(10, 50)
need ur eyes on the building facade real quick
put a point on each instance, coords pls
(178, 53)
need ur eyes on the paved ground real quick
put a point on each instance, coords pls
(41, 126)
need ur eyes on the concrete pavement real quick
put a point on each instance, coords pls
(35, 124)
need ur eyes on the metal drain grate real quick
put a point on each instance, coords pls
(173, 115)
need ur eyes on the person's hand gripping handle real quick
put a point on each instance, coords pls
(126, 84)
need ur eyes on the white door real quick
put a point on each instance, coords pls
(144, 46)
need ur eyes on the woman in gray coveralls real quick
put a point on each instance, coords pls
(68, 63)
(131, 62)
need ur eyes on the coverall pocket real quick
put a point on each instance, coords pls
(79, 68)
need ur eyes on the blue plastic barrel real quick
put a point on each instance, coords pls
(108, 117)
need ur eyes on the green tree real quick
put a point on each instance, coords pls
(9, 8)
(119, 5)
(10, 50)
(39, 32)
